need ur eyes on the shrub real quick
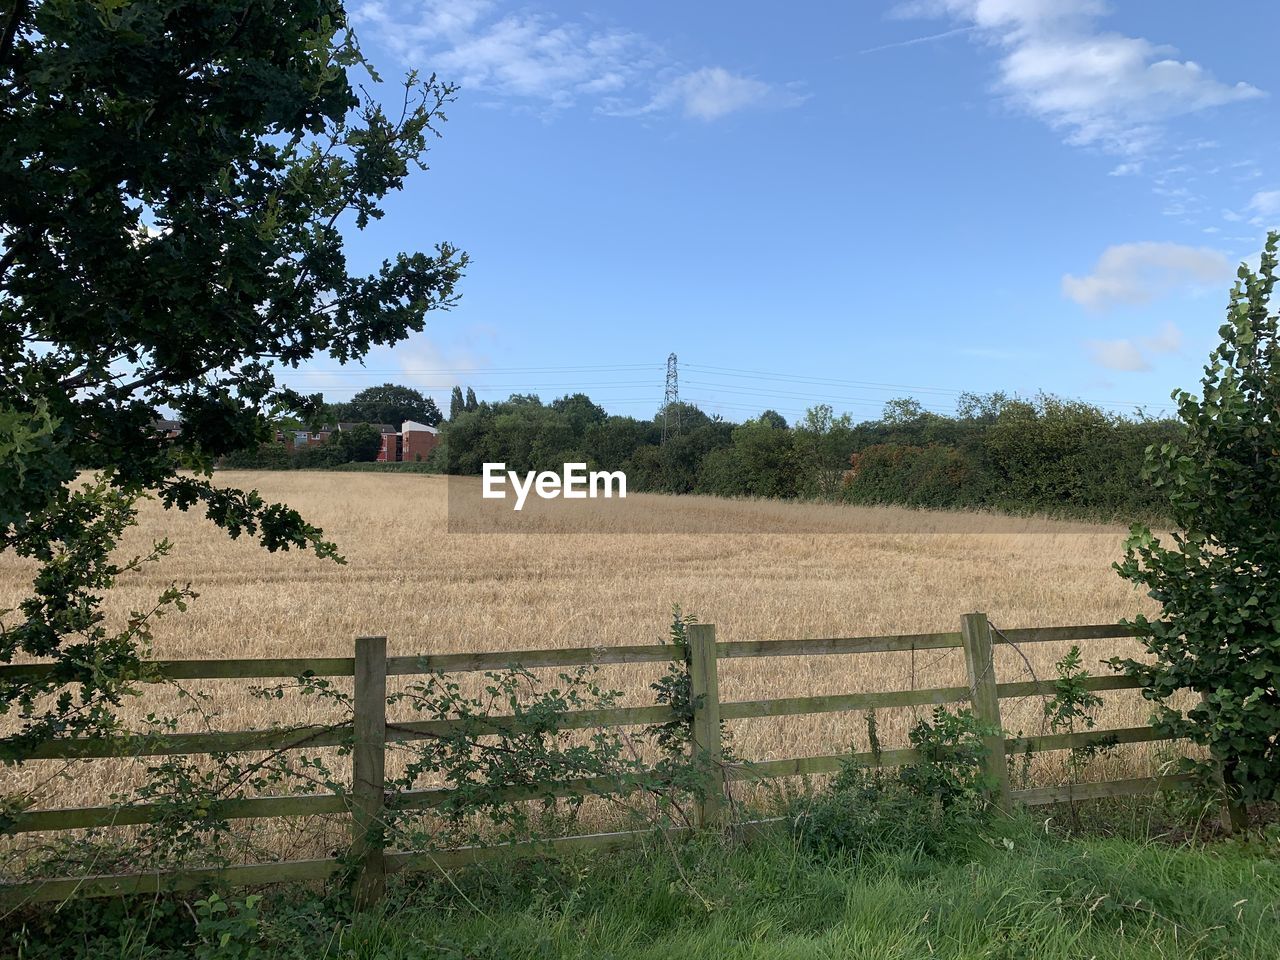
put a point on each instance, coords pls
(929, 805)
(913, 476)
(1217, 577)
(269, 456)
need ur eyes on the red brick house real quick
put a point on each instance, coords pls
(416, 441)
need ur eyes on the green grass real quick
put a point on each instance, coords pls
(1007, 892)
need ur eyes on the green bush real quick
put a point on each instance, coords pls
(1019, 456)
(269, 456)
(930, 805)
(1217, 577)
(932, 476)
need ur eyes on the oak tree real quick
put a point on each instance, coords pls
(179, 176)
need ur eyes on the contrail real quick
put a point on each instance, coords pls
(912, 42)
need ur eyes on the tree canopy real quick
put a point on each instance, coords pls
(389, 403)
(178, 178)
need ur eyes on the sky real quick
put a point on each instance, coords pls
(829, 202)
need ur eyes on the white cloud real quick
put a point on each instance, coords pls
(1132, 354)
(1168, 340)
(435, 368)
(1125, 170)
(713, 92)
(1265, 203)
(553, 64)
(1136, 273)
(1098, 88)
(1117, 355)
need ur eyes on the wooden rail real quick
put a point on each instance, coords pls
(367, 800)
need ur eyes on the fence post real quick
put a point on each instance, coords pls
(368, 767)
(975, 631)
(704, 688)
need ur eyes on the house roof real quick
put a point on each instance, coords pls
(349, 424)
(412, 426)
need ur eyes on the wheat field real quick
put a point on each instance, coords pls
(432, 591)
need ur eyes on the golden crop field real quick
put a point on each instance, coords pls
(431, 591)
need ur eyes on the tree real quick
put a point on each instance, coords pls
(175, 175)
(902, 410)
(471, 403)
(1218, 580)
(761, 462)
(392, 404)
(981, 406)
(359, 444)
(580, 412)
(823, 444)
(456, 403)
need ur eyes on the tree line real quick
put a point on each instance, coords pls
(1043, 454)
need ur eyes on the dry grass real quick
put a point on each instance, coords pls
(431, 591)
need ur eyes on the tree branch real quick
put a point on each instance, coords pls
(16, 16)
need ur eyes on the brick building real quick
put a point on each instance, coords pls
(417, 440)
(412, 442)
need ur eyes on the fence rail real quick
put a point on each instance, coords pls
(370, 732)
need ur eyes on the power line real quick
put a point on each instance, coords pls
(572, 386)
(453, 371)
(860, 401)
(794, 413)
(721, 379)
(827, 381)
(737, 373)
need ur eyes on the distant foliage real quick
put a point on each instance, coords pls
(359, 444)
(1045, 455)
(1217, 577)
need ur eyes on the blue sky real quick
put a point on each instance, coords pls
(842, 202)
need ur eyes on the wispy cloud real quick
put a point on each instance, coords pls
(550, 64)
(1117, 355)
(1099, 88)
(1168, 340)
(1265, 205)
(1134, 354)
(1137, 273)
(714, 92)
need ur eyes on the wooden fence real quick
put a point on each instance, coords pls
(370, 733)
